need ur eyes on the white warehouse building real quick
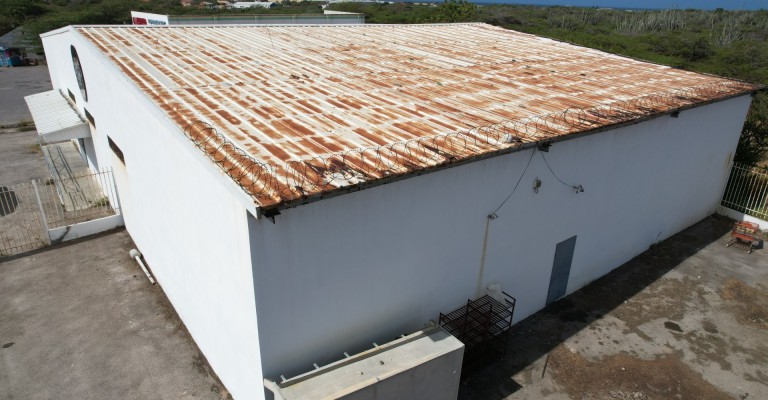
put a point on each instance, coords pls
(304, 191)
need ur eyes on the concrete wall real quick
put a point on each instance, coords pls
(425, 366)
(740, 216)
(178, 208)
(84, 229)
(338, 274)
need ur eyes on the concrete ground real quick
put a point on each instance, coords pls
(687, 319)
(20, 154)
(21, 159)
(15, 83)
(81, 321)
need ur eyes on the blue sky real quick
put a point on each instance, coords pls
(702, 4)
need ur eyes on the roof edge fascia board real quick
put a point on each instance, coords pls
(59, 31)
(367, 185)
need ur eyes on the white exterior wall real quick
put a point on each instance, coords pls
(338, 274)
(182, 212)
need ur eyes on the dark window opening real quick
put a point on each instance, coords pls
(71, 95)
(90, 118)
(116, 150)
(81, 144)
(79, 73)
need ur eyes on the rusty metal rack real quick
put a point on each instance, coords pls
(745, 234)
(483, 325)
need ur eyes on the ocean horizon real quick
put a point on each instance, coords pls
(642, 4)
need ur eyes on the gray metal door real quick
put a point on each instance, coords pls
(561, 269)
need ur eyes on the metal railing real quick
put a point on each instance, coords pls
(82, 197)
(747, 191)
(29, 210)
(22, 226)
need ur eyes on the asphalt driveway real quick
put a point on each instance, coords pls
(15, 83)
(81, 321)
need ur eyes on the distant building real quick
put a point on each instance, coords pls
(328, 17)
(13, 52)
(303, 191)
(253, 4)
(142, 18)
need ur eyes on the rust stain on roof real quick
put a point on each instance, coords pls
(295, 111)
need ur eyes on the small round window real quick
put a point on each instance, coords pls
(79, 73)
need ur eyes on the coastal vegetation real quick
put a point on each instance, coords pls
(733, 44)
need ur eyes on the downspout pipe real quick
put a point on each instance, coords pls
(136, 255)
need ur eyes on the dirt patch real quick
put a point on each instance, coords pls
(709, 347)
(626, 377)
(759, 376)
(202, 367)
(199, 363)
(665, 298)
(756, 356)
(750, 304)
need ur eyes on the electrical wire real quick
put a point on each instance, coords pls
(577, 188)
(492, 215)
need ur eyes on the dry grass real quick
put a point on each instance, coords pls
(750, 303)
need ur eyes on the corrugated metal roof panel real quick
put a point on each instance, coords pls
(55, 118)
(296, 111)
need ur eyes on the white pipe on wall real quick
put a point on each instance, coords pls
(136, 255)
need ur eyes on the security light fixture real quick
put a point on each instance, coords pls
(536, 185)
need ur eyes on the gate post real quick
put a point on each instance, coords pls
(42, 211)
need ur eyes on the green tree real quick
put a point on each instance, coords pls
(753, 143)
(15, 13)
(457, 11)
(115, 11)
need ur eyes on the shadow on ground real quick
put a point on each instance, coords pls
(538, 335)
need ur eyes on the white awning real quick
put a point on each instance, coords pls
(55, 118)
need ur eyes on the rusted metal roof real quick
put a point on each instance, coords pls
(297, 112)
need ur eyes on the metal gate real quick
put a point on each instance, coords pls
(40, 212)
(22, 226)
(747, 191)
